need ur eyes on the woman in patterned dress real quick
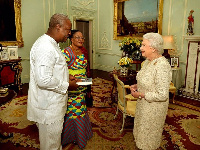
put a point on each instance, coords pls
(77, 127)
(152, 91)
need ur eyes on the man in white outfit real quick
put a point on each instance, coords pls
(49, 82)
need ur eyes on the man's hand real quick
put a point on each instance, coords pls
(72, 83)
(71, 77)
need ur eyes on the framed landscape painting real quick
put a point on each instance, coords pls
(133, 18)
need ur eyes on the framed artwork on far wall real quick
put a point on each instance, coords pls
(133, 18)
(13, 52)
(174, 62)
(10, 17)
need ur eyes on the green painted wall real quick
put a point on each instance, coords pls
(35, 16)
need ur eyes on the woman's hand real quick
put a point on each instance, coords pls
(137, 94)
(133, 88)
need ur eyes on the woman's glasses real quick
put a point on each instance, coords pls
(79, 38)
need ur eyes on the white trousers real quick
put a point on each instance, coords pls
(50, 135)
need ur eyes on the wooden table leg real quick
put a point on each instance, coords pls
(174, 93)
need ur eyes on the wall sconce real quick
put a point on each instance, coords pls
(168, 45)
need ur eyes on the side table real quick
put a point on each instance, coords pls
(138, 64)
(10, 73)
(176, 77)
(130, 79)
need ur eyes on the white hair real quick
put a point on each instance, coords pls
(156, 41)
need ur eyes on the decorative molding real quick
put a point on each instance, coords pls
(83, 12)
(85, 2)
(169, 20)
(104, 41)
(86, 15)
(49, 4)
(112, 54)
(106, 45)
(65, 7)
(44, 16)
(54, 7)
(184, 22)
(192, 37)
(51, 11)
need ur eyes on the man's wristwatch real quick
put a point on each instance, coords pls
(140, 96)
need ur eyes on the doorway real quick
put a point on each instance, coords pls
(86, 28)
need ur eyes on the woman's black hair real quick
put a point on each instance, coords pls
(72, 33)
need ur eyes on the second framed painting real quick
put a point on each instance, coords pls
(13, 52)
(174, 62)
(133, 18)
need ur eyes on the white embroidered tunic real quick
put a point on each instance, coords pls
(48, 84)
(153, 79)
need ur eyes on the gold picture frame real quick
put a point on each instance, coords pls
(19, 40)
(118, 28)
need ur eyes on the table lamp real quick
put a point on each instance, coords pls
(168, 45)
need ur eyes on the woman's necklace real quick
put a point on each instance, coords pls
(76, 50)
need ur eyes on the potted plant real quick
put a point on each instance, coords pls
(131, 46)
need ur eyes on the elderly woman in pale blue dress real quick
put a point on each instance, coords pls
(152, 91)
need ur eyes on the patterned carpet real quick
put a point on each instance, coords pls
(101, 92)
(181, 130)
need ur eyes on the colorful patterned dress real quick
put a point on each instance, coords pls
(77, 127)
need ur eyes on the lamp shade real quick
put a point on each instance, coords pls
(168, 42)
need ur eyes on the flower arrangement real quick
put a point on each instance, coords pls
(129, 45)
(125, 62)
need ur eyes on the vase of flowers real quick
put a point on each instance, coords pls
(131, 46)
(124, 63)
